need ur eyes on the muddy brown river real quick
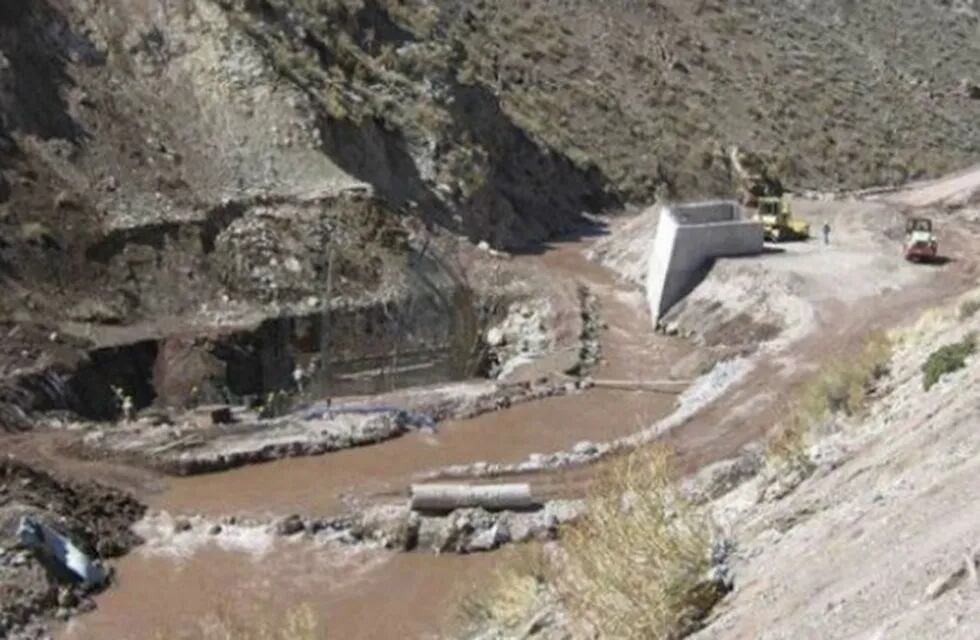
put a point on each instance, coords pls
(369, 593)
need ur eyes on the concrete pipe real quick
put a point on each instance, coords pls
(493, 497)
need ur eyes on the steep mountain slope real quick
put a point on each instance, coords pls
(190, 168)
(835, 94)
(175, 166)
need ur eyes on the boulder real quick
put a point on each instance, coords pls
(395, 526)
(495, 337)
(489, 539)
(436, 534)
(717, 479)
(290, 525)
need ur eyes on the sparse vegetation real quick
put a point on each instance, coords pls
(517, 589)
(634, 564)
(947, 359)
(634, 567)
(786, 446)
(841, 387)
(844, 385)
(969, 308)
(571, 86)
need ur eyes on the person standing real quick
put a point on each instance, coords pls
(826, 233)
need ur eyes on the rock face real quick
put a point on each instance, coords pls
(247, 174)
(310, 168)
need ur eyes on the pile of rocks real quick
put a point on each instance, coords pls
(396, 526)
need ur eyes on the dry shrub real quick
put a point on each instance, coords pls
(786, 447)
(517, 588)
(841, 387)
(634, 565)
(299, 623)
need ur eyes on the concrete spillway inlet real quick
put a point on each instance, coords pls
(689, 238)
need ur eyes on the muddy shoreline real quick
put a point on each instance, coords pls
(186, 448)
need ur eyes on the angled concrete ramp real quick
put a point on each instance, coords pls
(689, 238)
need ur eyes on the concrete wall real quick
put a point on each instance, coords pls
(706, 212)
(689, 238)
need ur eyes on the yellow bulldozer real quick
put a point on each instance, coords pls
(760, 190)
(778, 223)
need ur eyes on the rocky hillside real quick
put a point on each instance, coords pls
(833, 94)
(185, 164)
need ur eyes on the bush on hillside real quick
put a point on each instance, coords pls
(841, 387)
(844, 385)
(516, 591)
(969, 308)
(633, 567)
(946, 359)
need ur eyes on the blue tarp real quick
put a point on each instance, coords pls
(57, 548)
(410, 418)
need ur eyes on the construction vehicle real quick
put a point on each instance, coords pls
(753, 177)
(778, 223)
(920, 241)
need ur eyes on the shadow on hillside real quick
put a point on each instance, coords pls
(37, 41)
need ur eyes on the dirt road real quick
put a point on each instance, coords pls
(949, 190)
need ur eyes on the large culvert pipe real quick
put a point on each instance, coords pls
(493, 497)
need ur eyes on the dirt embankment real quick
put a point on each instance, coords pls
(894, 551)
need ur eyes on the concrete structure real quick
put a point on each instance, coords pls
(443, 498)
(689, 238)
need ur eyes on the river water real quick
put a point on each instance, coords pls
(372, 593)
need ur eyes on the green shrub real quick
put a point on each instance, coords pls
(969, 308)
(946, 359)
